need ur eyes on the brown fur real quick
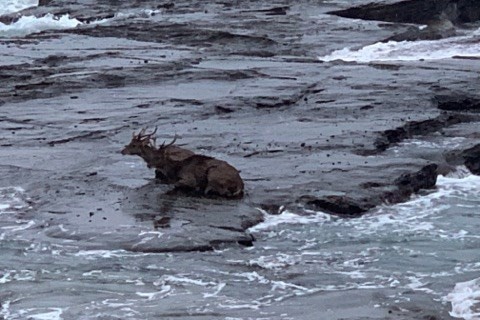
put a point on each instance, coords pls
(186, 170)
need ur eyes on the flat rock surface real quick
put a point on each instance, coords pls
(250, 92)
(239, 81)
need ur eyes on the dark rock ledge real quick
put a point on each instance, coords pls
(401, 189)
(458, 109)
(463, 110)
(440, 16)
(414, 128)
(52, 116)
(469, 158)
(416, 11)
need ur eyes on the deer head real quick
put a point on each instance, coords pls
(140, 143)
(144, 145)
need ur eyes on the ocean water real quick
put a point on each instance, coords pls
(427, 245)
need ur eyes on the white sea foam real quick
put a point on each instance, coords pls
(218, 288)
(412, 217)
(5, 311)
(465, 300)
(20, 225)
(417, 284)
(288, 217)
(170, 282)
(30, 24)
(12, 199)
(165, 290)
(415, 216)
(177, 279)
(115, 303)
(450, 143)
(465, 46)
(92, 273)
(53, 314)
(10, 6)
(278, 261)
(95, 254)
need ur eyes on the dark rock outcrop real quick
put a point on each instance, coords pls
(410, 183)
(437, 29)
(338, 205)
(414, 128)
(416, 11)
(472, 159)
(401, 189)
(42, 3)
(458, 103)
(469, 158)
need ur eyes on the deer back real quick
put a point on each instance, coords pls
(169, 161)
(193, 171)
(224, 180)
(210, 176)
(175, 153)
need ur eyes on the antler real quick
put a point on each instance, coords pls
(170, 144)
(142, 136)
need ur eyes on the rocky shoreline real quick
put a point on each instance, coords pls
(306, 134)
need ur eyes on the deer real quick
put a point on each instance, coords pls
(187, 171)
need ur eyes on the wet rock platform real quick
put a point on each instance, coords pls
(242, 83)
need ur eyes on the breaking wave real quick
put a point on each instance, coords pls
(30, 24)
(464, 46)
(26, 25)
(465, 300)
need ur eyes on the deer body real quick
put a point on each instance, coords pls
(173, 157)
(209, 176)
(186, 170)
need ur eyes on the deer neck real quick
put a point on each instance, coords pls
(148, 154)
